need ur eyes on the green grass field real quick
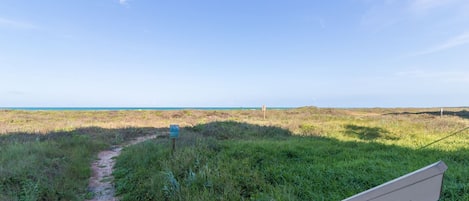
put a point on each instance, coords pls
(297, 154)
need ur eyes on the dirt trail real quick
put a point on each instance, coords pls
(101, 181)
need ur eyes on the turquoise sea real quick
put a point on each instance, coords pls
(134, 108)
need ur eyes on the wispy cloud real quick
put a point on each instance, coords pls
(15, 92)
(16, 24)
(457, 8)
(383, 14)
(423, 5)
(447, 76)
(456, 41)
(123, 2)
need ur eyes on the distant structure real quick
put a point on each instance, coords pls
(421, 185)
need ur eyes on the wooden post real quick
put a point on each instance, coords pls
(441, 112)
(263, 110)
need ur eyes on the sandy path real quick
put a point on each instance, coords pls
(101, 181)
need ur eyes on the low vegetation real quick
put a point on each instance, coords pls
(273, 166)
(54, 166)
(297, 154)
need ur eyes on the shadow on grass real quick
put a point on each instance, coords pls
(368, 133)
(462, 113)
(226, 130)
(240, 161)
(112, 136)
(56, 165)
(248, 162)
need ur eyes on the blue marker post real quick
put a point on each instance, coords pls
(173, 134)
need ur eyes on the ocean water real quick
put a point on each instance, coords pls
(134, 108)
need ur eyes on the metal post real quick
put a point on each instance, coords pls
(173, 149)
(173, 134)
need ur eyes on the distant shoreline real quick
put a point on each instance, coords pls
(135, 108)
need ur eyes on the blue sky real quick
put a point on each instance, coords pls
(152, 53)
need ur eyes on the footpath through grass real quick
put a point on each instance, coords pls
(54, 166)
(239, 161)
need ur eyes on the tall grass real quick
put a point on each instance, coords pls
(338, 155)
(55, 169)
(306, 153)
(262, 168)
(54, 166)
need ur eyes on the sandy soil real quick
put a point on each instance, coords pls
(101, 181)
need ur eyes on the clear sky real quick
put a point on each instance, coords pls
(196, 53)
